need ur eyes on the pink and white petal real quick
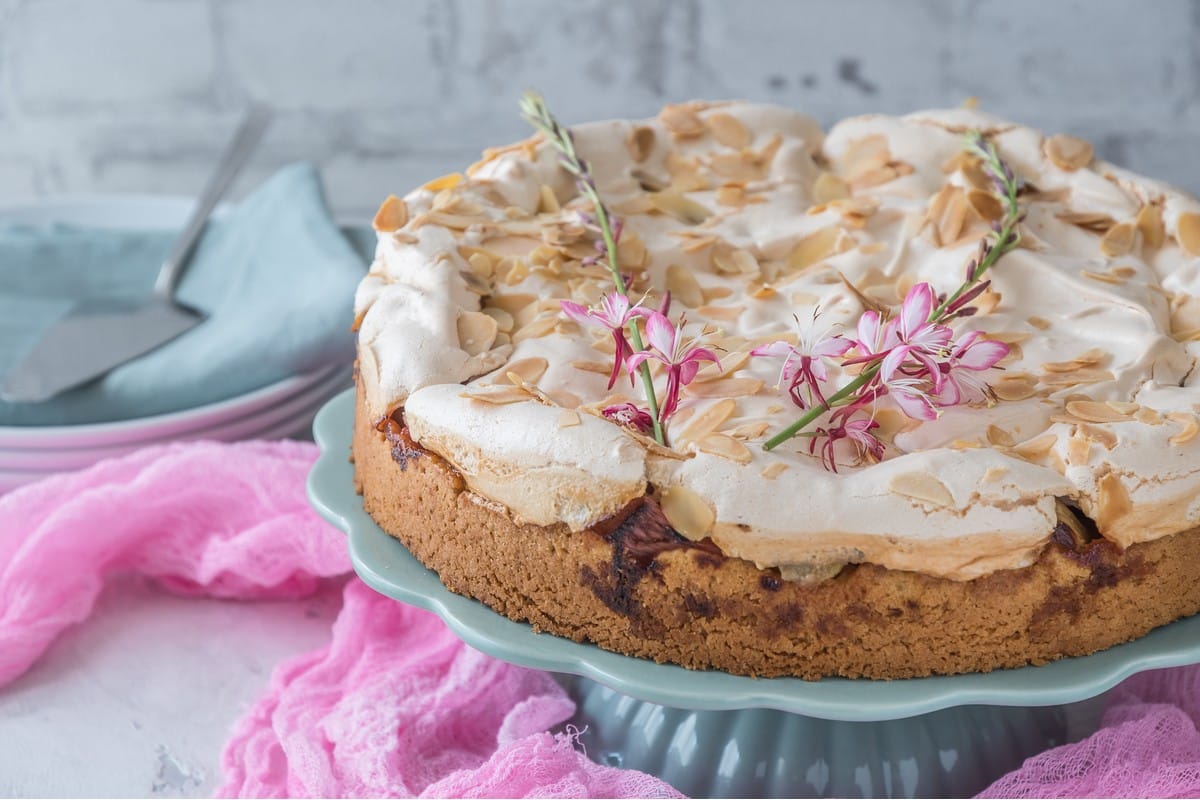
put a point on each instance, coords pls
(868, 332)
(780, 349)
(893, 361)
(833, 347)
(983, 354)
(915, 310)
(914, 404)
(580, 313)
(661, 334)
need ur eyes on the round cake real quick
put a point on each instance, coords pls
(912, 397)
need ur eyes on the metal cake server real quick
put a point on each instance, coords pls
(98, 335)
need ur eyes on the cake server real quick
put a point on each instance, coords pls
(99, 334)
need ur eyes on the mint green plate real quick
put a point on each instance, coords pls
(660, 700)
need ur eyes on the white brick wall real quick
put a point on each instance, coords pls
(138, 95)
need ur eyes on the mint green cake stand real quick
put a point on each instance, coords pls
(719, 735)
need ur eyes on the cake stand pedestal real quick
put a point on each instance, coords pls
(714, 734)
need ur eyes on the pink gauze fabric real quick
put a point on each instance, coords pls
(394, 706)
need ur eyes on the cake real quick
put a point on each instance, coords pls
(1014, 479)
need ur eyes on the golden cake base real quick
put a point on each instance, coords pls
(635, 587)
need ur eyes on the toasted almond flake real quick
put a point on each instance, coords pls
(569, 418)
(741, 167)
(513, 304)
(547, 200)
(1148, 416)
(923, 487)
(561, 397)
(1123, 407)
(528, 370)
(829, 187)
(1150, 225)
(448, 181)
(722, 313)
(497, 395)
(1187, 231)
(1101, 277)
(728, 130)
(864, 156)
(481, 264)
(684, 209)
(813, 248)
(804, 298)
(731, 194)
(392, 215)
(640, 142)
(1036, 447)
(682, 121)
(730, 363)
(1079, 450)
(476, 332)
(965, 444)
(948, 212)
(1077, 378)
(1102, 436)
(598, 367)
(1041, 323)
(504, 320)
(730, 387)
(985, 205)
(735, 261)
(1112, 501)
(709, 420)
(713, 293)
(543, 326)
(749, 431)
(773, 471)
(1096, 411)
(718, 444)
(1190, 427)
(1119, 240)
(1088, 220)
(994, 474)
(1015, 386)
(1068, 152)
(683, 286)
(997, 436)
(688, 512)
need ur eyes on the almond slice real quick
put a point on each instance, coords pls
(391, 216)
(684, 286)
(773, 471)
(682, 121)
(1187, 231)
(709, 420)
(923, 487)
(729, 130)
(730, 387)
(1119, 240)
(673, 204)
(1015, 386)
(1068, 152)
(1150, 224)
(813, 248)
(1096, 411)
(529, 370)
(1190, 427)
(569, 419)
(640, 142)
(497, 395)
(689, 513)
(1088, 220)
(448, 181)
(829, 187)
(1112, 501)
(1036, 447)
(476, 332)
(718, 444)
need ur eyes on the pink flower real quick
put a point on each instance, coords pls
(911, 340)
(844, 427)
(614, 313)
(961, 378)
(682, 360)
(913, 395)
(631, 416)
(804, 364)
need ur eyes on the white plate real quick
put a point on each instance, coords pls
(282, 409)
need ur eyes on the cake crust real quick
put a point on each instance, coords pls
(634, 586)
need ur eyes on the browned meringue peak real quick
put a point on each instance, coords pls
(749, 214)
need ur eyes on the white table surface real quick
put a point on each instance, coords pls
(139, 699)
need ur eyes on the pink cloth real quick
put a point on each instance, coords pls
(395, 705)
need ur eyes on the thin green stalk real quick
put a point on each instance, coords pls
(535, 111)
(833, 400)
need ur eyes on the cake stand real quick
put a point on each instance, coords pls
(709, 733)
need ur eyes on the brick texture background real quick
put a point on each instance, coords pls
(139, 95)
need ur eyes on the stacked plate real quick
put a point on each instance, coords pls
(284, 409)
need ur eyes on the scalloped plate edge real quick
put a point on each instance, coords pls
(385, 565)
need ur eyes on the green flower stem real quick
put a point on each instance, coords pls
(533, 108)
(836, 399)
